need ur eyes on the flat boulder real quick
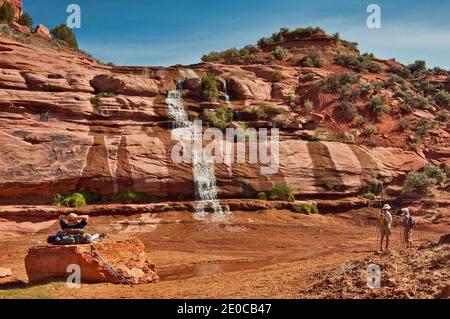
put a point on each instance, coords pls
(5, 272)
(127, 257)
(42, 31)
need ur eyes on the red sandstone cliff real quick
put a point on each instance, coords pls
(121, 142)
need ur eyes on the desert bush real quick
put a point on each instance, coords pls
(403, 125)
(209, 87)
(435, 172)
(333, 83)
(311, 60)
(401, 94)
(70, 200)
(377, 105)
(402, 72)
(307, 209)
(7, 12)
(65, 34)
(442, 98)
(366, 89)
(220, 118)
(262, 196)
(95, 100)
(369, 131)
(439, 71)
(267, 111)
(281, 192)
(422, 182)
(277, 76)
(26, 20)
(417, 68)
(349, 109)
(418, 102)
(361, 63)
(308, 105)
(309, 77)
(423, 127)
(442, 116)
(280, 53)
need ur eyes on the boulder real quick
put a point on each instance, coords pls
(21, 28)
(122, 84)
(127, 257)
(5, 272)
(43, 31)
(243, 88)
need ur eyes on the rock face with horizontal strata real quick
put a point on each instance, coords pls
(127, 257)
(121, 141)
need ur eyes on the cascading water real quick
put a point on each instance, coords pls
(203, 168)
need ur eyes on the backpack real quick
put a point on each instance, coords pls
(411, 222)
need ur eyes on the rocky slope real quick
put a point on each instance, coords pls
(108, 127)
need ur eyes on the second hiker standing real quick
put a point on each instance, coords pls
(385, 224)
(408, 225)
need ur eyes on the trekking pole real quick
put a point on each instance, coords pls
(122, 280)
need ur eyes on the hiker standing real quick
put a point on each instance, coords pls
(408, 225)
(385, 224)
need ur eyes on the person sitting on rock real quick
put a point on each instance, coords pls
(385, 225)
(73, 223)
(73, 232)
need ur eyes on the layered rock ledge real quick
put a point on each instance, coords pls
(127, 257)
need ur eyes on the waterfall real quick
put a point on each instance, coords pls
(203, 168)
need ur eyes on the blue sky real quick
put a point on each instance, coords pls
(145, 32)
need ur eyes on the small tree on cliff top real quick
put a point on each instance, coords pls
(26, 20)
(7, 12)
(64, 33)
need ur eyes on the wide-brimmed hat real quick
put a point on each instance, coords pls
(405, 210)
(387, 207)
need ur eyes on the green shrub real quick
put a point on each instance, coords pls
(369, 131)
(436, 173)
(331, 187)
(209, 87)
(417, 68)
(309, 77)
(7, 12)
(220, 118)
(350, 110)
(306, 209)
(281, 192)
(333, 83)
(308, 105)
(70, 200)
(277, 76)
(311, 60)
(95, 100)
(422, 182)
(442, 116)
(361, 63)
(439, 71)
(262, 196)
(403, 125)
(423, 127)
(66, 34)
(377, 105)
(442, 98)
(418, 102)
(26, 20)
(402, 72)
(280, 53)
(267, 111)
